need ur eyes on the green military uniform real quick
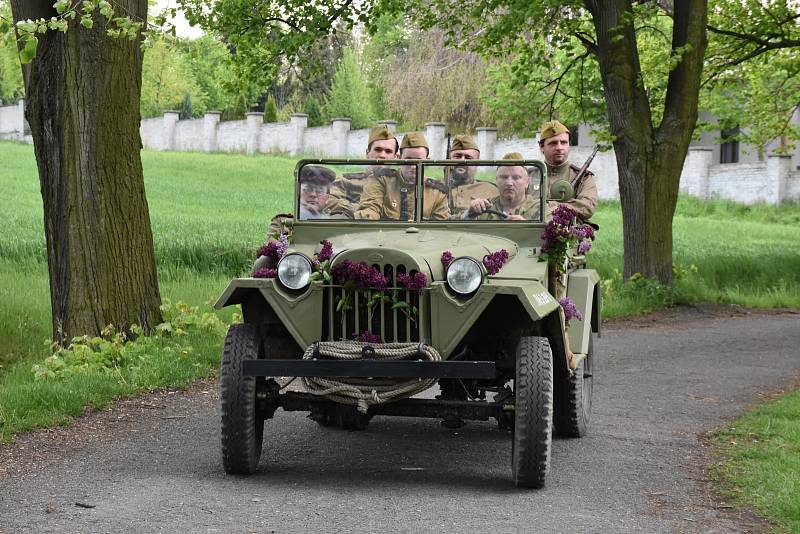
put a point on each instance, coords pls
(585, 201)
(382, 199)
(348, 188)
(529, 209)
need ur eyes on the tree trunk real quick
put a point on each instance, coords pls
(650, 159)
(82, 96)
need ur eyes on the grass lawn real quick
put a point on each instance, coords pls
(209, 214)
(760, 461)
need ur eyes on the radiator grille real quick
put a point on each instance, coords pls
(393, 325)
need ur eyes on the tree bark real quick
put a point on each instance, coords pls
(649, 158)
(82, 103)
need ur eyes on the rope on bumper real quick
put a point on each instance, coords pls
(364, 392)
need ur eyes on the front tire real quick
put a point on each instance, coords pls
(573, 408)
(533, 414)
(242, 426)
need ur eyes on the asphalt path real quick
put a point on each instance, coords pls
(152, 463)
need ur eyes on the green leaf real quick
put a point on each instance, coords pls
(27, 54)
(87, 22)
(61, 6)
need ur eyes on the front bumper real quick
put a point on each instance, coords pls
(371, 368)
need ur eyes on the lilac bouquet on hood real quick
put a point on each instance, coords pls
(561, 234)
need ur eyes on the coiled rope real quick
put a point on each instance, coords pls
(364, 392)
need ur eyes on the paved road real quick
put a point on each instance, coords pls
(152, 464)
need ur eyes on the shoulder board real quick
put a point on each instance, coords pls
(284, 216)
(437, 185)
(355, 175)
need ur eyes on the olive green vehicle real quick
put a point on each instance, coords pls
(485, 346)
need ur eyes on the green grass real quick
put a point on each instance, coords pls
(209, 213)
(761, 465)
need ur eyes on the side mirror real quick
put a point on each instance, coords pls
(561, 191)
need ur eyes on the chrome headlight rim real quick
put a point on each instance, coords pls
(481, 277)
(296, 283)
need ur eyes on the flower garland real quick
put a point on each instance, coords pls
(561, 234)
(493, 262)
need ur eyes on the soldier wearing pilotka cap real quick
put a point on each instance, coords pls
(381, 144)
(390, 195)
(461, 179)
(513, 202)
(554, 144)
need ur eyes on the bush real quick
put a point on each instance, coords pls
(270, 110)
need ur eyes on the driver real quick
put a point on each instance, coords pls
(389, 194)
(513, 202)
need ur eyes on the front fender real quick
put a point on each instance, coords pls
(581, 289)
(452, 317)
(300, 314)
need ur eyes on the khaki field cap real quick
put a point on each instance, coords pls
(464, 142)
(316, 174)
(380, 133)
(513, 155)
(414, 140)
(551, 129)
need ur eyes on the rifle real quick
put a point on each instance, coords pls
(446, 177)
(582, 172)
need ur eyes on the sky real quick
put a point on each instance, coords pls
(181, 26)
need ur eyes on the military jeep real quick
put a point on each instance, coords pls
(360, 315)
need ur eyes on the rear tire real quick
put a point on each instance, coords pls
(533, 414)
(242, 426)
(573, 402)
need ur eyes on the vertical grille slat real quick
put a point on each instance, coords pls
(391, 324)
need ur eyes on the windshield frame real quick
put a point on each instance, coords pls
(420, 165)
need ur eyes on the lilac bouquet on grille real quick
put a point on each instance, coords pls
(447, 257)
(563, 233)
(358, 275)
(571, 311)
(367, 337)
(417, 282)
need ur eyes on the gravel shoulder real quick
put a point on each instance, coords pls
(151, 462)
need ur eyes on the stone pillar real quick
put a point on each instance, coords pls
(435, 134)
(168, 132)
(299, 123)
(486, 139)
(779, 172)
(392, 125)
(22, 123)
(210, 123)
(695, 173)
(254, 121)
(338, 145)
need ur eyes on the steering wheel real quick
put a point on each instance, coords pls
(491, 212)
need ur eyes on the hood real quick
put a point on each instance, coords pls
(419, 249)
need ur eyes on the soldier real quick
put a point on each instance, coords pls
(315, 184)
(463, 187)
(390, 195)
(513, 203)
(381, 144)
(554, 144)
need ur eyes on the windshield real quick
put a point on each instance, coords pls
(381, 190)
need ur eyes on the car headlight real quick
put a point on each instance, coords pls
(294, 270)
(464, 275)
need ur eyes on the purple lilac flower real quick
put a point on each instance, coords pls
(549, 236)
(447, 257)
(418, 282)
(364, 276)
(571, 311)
(367, 337)
(326, 252)
(274, 249)
(495, 261)
(265, 273)
(584, 246)
(564, 215)
(583, 232)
